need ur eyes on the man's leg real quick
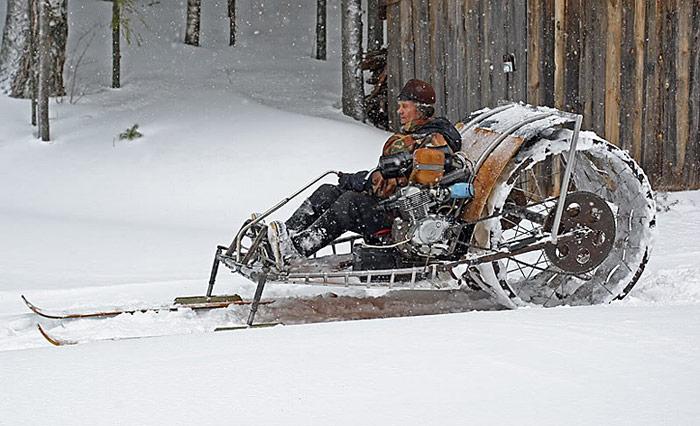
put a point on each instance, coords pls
(352, 211)
(313, 207)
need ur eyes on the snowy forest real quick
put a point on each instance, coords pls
(349, 211)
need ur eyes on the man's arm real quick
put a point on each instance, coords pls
(353, 181)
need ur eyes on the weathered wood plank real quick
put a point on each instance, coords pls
(421, 33)
(460, 52)
(652, 157)
(598, 39)
(408, 56)
(456, 40)
(548, 80)
(393, 62)
(534, 47)
(685, 27)
(499, 11)
(692, 175)
(559, 53)
(473, 50)
(612, 72)
(586, 67)
(669, 44)
(437, 54)
(627, 75)
(452, 61)
(507, 47)
(487, 90)
(573, 55)
(548, 31)
(519, 48)
(639, 80)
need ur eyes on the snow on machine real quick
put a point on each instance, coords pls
(501, 222)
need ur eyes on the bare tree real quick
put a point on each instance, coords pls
(321, 29)
(194, 9)
(353, 84)
(375, 26)
(15, 52)
(44, 69)
(232, 22)
(33, 89)
(116, 44)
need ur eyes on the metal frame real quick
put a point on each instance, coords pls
(564, 185)
(236, 243)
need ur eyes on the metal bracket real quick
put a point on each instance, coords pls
(563, 188)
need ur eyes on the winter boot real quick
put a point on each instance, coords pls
(281, 244)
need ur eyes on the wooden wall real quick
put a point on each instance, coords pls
(632, 67)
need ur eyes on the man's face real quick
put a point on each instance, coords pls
(408, 112)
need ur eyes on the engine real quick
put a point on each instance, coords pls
(421, 228)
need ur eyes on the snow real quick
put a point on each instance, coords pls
(599, 365)
(90, 221)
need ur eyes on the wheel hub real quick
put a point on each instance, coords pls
(583, 211)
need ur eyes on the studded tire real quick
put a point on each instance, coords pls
(601, 169)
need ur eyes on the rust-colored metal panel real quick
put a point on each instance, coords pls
(475, 142)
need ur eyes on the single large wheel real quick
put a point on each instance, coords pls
(602, 174)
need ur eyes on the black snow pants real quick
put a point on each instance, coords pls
(329, 212)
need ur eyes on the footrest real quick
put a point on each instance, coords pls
(190, 300)
(243, 327)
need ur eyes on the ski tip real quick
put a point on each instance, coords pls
(29, 304)
(55, 341)
(47, 337)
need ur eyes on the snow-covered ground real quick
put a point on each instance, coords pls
(89, 220)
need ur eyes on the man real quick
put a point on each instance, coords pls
(352, 205)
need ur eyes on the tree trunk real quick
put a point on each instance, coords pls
(232, 22)
(353, 84)
(116, 46)
(44, 69)
(15, 52)
(321, 29)
(33, 89)
(194, 8)
(375, 26)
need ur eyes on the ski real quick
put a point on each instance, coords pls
(194, 303)
(57, 341)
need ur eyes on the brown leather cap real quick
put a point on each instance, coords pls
(418, 91)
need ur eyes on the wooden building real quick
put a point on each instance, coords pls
(632, 67)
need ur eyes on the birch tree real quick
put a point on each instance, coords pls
(194, 9)
(353, 84)
(16, 53)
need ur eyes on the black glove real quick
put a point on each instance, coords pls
(353, 181)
